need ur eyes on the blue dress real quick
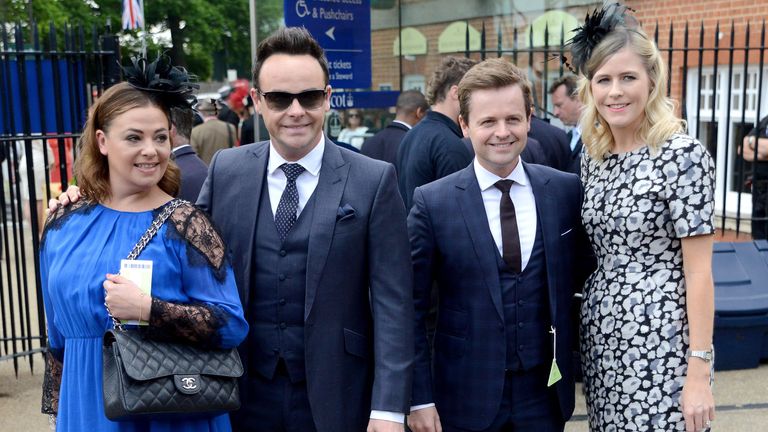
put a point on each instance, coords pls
(79, 248)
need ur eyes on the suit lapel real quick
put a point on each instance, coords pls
(546, 213)
(330, 187)
(256, 163)
(470, 201)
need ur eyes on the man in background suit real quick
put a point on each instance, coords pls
(193, 169)
(411, 107)
(320, 252)
(213, 135)
(568, 109)
(504, 261)
(553, 141)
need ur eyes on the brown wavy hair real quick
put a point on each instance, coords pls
(91, 167)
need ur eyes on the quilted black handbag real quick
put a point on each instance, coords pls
(142, 376)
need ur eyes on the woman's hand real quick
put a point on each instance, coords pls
(125, 300)
(697, 401)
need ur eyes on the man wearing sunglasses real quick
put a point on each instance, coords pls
(322, 259)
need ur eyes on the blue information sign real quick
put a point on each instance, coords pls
(343, 29)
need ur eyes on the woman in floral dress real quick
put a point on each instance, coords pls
(647, 313)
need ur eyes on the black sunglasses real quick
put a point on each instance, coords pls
(280, 101)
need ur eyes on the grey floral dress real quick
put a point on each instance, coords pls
(634, 328)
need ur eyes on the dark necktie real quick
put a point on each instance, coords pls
(285, 216)
(510, 237)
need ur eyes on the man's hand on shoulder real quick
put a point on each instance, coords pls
(425, 420)
(375, 425)
(71, 195)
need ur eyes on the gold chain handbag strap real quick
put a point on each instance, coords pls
(143, 242)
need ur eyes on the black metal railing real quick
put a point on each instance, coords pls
(45, 90)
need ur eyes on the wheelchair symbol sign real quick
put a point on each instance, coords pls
(301, 9)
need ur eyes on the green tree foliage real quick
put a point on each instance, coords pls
(199, 29)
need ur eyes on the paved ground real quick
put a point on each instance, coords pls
(742, 399)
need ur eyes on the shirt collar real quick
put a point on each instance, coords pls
(487, 179)
(175, 149)
(402, 123)
(311, 161)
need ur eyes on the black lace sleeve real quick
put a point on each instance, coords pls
(192, 323)
(196, 323)
(56, 219)
(51, 384)
(205, 247)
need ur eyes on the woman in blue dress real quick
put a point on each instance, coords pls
(126, 177)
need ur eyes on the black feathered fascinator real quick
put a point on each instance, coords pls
(172, 84)
(595, 28)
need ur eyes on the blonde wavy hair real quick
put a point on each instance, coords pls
(91, 167)
(659, 122)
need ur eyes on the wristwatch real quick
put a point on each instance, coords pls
(704, 355)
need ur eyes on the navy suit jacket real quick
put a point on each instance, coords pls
(383, 146)
(574, 161)
(465, 376)
(193, 172)
(554, 142)
(358, 311)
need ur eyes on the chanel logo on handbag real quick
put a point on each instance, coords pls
(189, 383)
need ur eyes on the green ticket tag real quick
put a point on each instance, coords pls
(554, 374)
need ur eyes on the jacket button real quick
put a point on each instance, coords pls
(282, 302)
(281, 277)
(283, 325)
(521, 324)
(520, 302)
(283, 253)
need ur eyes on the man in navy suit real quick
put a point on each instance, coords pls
(411, 107)
(193, 169)
(500, 239)
(568, 108)
(321, 255)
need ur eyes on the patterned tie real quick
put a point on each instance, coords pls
(285, 216)
(510, 237)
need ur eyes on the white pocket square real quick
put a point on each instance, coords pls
(566, 232)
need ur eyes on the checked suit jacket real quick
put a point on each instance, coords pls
(452, 244)
(358, 311)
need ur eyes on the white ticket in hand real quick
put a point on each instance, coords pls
(140, 273)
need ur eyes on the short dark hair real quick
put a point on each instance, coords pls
(182, 119)
(410, 101)
(291, 41)
(569, 81)
(493, 73)
(448, 73)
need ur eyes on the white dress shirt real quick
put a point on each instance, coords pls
(575, 136)
(306, 183)
(525, 207)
